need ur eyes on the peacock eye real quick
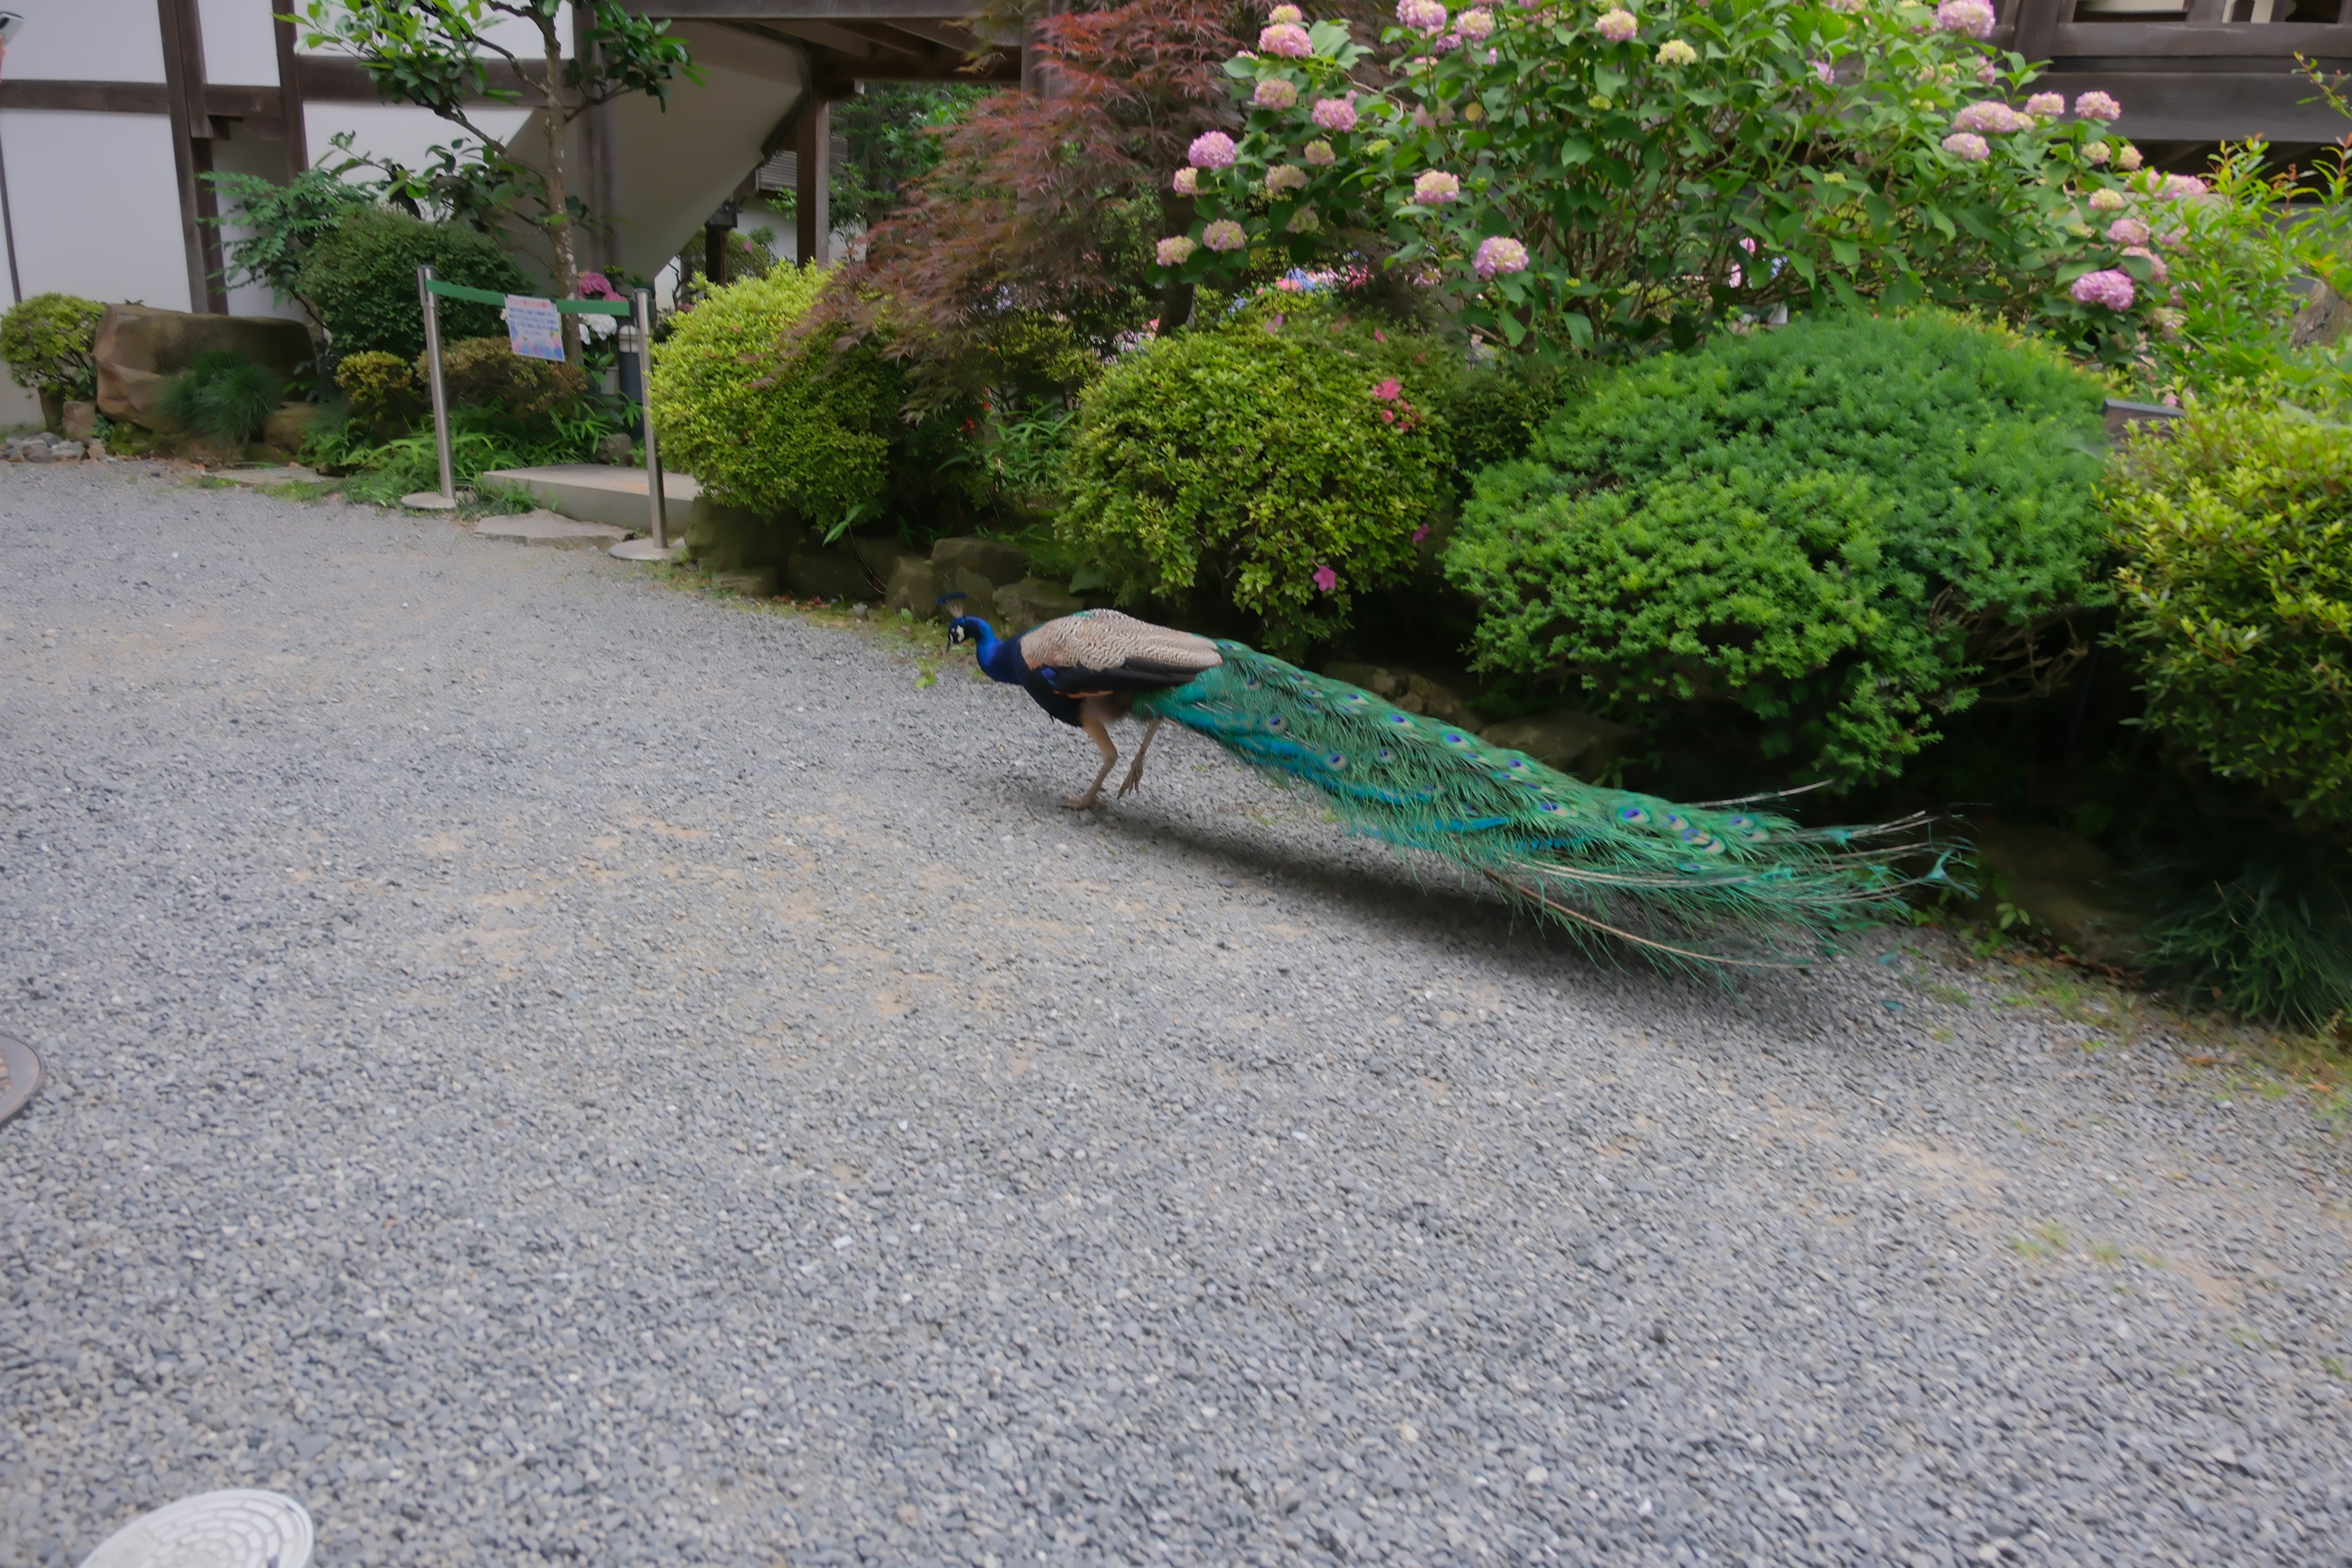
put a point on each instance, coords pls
(1335, 762)
(1679, 825)
(1633, 813)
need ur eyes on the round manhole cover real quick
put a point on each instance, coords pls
(23, 1075)
(213, 1530)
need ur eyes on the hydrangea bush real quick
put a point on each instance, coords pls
(1579, 173)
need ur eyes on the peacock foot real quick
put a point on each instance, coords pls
(1081, 801)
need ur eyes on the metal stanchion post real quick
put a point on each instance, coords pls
(445, 499)
(658, 547)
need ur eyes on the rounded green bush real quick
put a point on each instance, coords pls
(778, 429)
(47, 342)
(361, 278)
(382, 389)
(1281, 467)
(1813, 537)
(486, 373)
(2236, 528)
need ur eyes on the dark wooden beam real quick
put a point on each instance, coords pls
(803, 10)
(183, 91)
(2153, 41)
(88, 96)
(2205, 107)
(812, 182)
(961, 40)
(294, 126)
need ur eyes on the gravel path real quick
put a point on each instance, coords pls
(550, 1068)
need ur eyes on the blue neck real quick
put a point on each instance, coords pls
(1000, 656)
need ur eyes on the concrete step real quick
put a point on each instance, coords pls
(595, 493)
(548, 528)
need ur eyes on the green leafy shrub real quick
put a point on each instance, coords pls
(486, 373)
(271, 228)
(2236, 529)
(1824, 532)
(481, 440)
(361, 279)
(226, 396)
(773, 428)
(47, 342)
(381, 390)
(1278, 465)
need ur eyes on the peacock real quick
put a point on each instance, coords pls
(1695, 885)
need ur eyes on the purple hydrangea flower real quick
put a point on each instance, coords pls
(1988, 72)
(1274, 92)
(1287, 39)
(2157, 270)
(1990, 118)
(1211, 150)
(2177, 186)
(1435, 188)
(2097, 106)
(1422, 16)
(1973, 17)
(1499, 256)
(1175, 250)
(1617, 25)
(1968, 147)
(2046, 104)
(1223, 234)
(1335, 113)
(2109, 285)
(2127, 231)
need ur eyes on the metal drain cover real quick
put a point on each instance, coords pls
(213, 1530)
(23, 1071)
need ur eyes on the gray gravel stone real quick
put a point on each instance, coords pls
(548, 1068)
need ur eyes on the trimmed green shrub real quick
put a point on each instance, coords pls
(47, 342)
(775, 427)
(1281, 465)
(486, 373)
(2236, 528)
(224, 396)
(381, 390)
(361, 279)
(1818, 533)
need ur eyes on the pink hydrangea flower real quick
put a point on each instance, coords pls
(2108, 200)
(1335, 113)
(1973, 17)
(1318, 155)
(2097, 153)
(1211, 150)
(2157, 270)
(1617, 25)
(1285, 177)
(2109, 285)
(1274, 92)
(1825, 73)
(1968, 147)
(1477, 25)
(1176, 250)
(1290, 14)
(2175, 186)
(1187, 183)
(2046, 103)
(1988, 72)
(1435, 188)
(2097, 106)
(596, 286)
(1676, 52)
(1223, 234)
(1287, 39)
(1325, 580)
(1499, 256)
(1422, 16)
(2128, 159)
(1990, 118)
(2127, 231)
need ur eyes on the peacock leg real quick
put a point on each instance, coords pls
(1135, 769)
(1091, 719)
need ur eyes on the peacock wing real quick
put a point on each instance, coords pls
(1105, 650)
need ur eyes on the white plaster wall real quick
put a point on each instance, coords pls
(247, 153)
(115, 238)
(396, 130)
(87, 40)
(240, 44)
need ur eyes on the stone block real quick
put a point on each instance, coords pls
(879, 554)
(1030, 603)
(65, 451)
(38, 452)
(79, 422)
(979, 593)
(990, 558)
(1564, 739)
(290, 425)
(828, 575)
(618, 450)
(139, 347)
(754, 584)
(2063, 881)
(97, 449)
(913, 585)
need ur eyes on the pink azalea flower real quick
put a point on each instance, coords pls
(1287, 39)
(1325, 580)
(2097, 106)
(1335, 113)
(1498, 257)
(1211, 150)
(1223, 234)
(1968, 147)
(1274, 92)
(2046, 103)
(1421, 534)
(1435, 188)
(1617, 25)
(1973, 17)
(2110, 286)
(1389, 389)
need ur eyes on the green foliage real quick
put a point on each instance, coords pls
(892, 131)
(486, 373)
(47, 342)
(1819, 532)
(224, 396)
(1238, 463)
(1024, 457)
(2272, 941)
(1722, 158)
(382, 389)
(481, 440)
(2236, 594)
(271, 229)
(773, 427)
(361, 279)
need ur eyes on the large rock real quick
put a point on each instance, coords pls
(993, 559)
(79, 422)
(1030, 603)
(139, 347)
(1563, 738)
(979, 592)
(2063, 882)
(828, 575)
(290, 425)
(913, 585)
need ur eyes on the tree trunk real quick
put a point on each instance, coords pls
(559, 214)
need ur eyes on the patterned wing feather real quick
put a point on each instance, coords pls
(1685, 883)
(1105, 643)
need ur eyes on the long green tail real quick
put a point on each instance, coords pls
(1690, 886)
